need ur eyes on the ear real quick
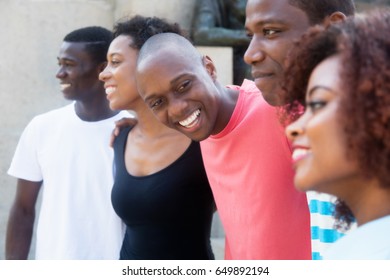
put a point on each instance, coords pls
(210, 67)
(334, 18)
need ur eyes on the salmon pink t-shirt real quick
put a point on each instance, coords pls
(250, 172)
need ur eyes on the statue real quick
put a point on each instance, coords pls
(222, 23)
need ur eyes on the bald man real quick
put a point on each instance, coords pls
(245, 152)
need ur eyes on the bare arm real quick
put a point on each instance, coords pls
(21, 220)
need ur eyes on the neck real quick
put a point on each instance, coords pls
(227, 103)
(94, 110)
(370, 203)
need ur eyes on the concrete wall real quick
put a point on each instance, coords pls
(32, 32)
(175, 10)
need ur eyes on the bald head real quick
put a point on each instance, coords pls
(168, 44)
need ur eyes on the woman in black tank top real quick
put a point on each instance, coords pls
(161, 190)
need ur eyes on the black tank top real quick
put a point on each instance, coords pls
(167, 214)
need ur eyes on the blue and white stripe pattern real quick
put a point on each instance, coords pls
(323, 233)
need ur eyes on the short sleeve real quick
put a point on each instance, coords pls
(25, 164)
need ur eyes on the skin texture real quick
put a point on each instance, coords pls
(119, 74)
(362, 114)
(273, 25)
(21, 220)
(151, 146)
(176, 83)
(319, 144)
(78, 74)
(321, 154)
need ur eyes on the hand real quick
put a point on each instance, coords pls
(119, 125)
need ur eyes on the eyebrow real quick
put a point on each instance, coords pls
(178, 78)
(313, 89)
(262, 22)
(114, 53)
(153, 95)
(64, 59)
(150, 97)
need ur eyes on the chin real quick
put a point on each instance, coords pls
(113, 107)
(301, 185)
(194, 137)
(69, 97)
(272, 97)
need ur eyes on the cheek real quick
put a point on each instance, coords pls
(327, 163)
(125, 74)
(162, 117)
(279, 50)
(131, 85)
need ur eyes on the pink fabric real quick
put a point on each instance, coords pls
(249, 168)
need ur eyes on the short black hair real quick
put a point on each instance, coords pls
(97, 41)
(318, 10)
(141, 28)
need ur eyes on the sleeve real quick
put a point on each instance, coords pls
(25, 162)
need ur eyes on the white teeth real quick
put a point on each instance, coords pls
(64, 86)
(299, 153)
(189, 122)
(110, 90)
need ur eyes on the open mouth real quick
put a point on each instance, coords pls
(191, 120)
(64, 86)
(299, 154)
(262, 76)
(110, 90)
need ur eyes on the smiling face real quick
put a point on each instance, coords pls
(78, 72)
(180, 90)
(119, 74)
(273, 25)
(319, 142)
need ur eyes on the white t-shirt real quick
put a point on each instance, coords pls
(75, 162)
(368, 242)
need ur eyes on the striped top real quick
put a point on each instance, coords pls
(323, 233)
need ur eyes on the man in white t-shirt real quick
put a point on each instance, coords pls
(66, 153)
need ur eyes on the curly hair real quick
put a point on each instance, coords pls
(141, 28)
(363, 46)
(97, 41)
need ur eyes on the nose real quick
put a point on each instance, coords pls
(254, 52)
(60, 73)
(177, 108)
(104, 75)
(296, 128)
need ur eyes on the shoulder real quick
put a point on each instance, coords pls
(249, 86)
(122, 137)
(52, 116)
(252, 97)
(248, 90)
